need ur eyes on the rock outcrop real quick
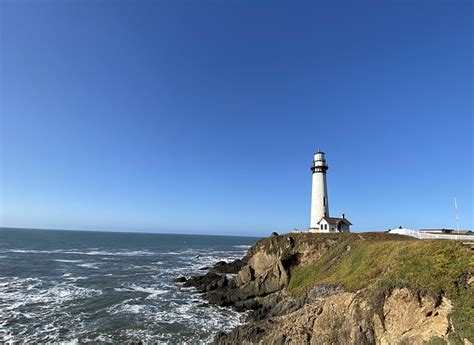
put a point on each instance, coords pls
(325, 313)
(412, 319)
(347, 318)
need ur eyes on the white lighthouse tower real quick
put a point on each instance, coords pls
(319, 194)
(320, 220)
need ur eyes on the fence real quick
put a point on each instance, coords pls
(424, 235)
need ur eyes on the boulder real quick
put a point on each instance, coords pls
(207, 282)
(228, 267)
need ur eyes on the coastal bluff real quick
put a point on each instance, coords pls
(352, 288)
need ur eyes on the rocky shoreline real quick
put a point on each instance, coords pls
(322, 314)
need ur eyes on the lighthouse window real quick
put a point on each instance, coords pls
(324, 201)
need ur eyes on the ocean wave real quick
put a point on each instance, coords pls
(32, 308)
(117, 253)
(74, 279)
(190, 266)
(79, 252)
(242, 246)
(195, 315)
(151, 291)
(126, 307)
(186, 310)
(112, 285)
(29, 291)
(93, 265)
(31, 251)
(133, 308)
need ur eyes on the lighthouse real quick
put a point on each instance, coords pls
(319, 193)
(320, 220)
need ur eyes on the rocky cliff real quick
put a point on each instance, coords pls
(347, 289)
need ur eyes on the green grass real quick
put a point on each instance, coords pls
(381, 263)
(430, 266)
(462, 316)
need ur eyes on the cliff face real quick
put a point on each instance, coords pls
(350, 289)
(347, 318)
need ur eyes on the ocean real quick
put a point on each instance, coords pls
(83, 286)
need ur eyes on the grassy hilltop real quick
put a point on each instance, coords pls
(379, 263)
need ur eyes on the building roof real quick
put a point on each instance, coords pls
(335, 221)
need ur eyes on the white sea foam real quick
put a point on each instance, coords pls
(123, 290)
(194, 316)
(74, 279)
(126, 306)
(79, 252)
(30, 251)
(148, 267)
(117, 253)
(33, 300)
(93, 265)
(242, 246)
(152, 292)
(133, 308)
(23, 292)
(67, 261)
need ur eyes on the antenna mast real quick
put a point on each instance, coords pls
(456, 210)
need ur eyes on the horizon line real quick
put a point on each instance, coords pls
(126, 231)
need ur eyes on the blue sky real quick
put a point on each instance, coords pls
(202, 116)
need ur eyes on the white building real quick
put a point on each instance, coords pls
(320, 220)
(329, 224)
